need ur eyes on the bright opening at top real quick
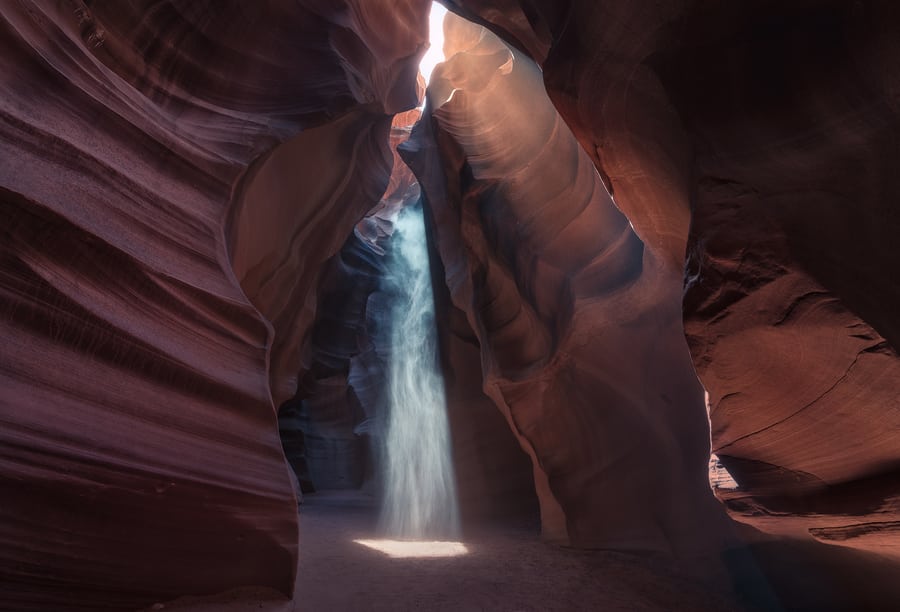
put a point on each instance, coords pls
(435, 54)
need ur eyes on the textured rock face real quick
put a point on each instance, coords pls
(761, 141)
(279, 248)
(792, 284)
(788, 310)
(174, 175)
(495, 479)
(148, 322)
(342, 385)
(579, 326)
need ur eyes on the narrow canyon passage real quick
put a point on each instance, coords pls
(459, 305)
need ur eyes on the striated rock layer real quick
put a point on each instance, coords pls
(761, 142)
(579, 326)
(175, 175)
(153, 302)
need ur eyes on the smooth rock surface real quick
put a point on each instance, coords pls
(758, 144)
(152, 300)
(175, 177)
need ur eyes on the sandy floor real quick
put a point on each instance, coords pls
(507, 568)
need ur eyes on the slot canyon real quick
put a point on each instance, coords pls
(594, 315)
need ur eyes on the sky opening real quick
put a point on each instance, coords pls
(435, 54)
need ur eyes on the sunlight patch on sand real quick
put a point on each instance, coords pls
(401, 549)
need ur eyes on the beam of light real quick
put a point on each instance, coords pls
(419, 482)
(435, 53)
(403, 549)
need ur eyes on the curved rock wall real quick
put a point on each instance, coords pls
(174, 175)
(139, 456)
(788, 308)
(325, 177)
(578, 325)
(495, 479)
(759, 140)
(344, 385)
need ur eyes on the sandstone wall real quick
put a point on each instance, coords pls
(153, 303)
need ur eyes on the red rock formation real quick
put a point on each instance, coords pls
(175, 174)
(579, 326)
(327, 417)
(592, 60)
(139, 457)
(494, 478)
(772, 131)
(791, 324)
(279, 248)
(402, 187)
